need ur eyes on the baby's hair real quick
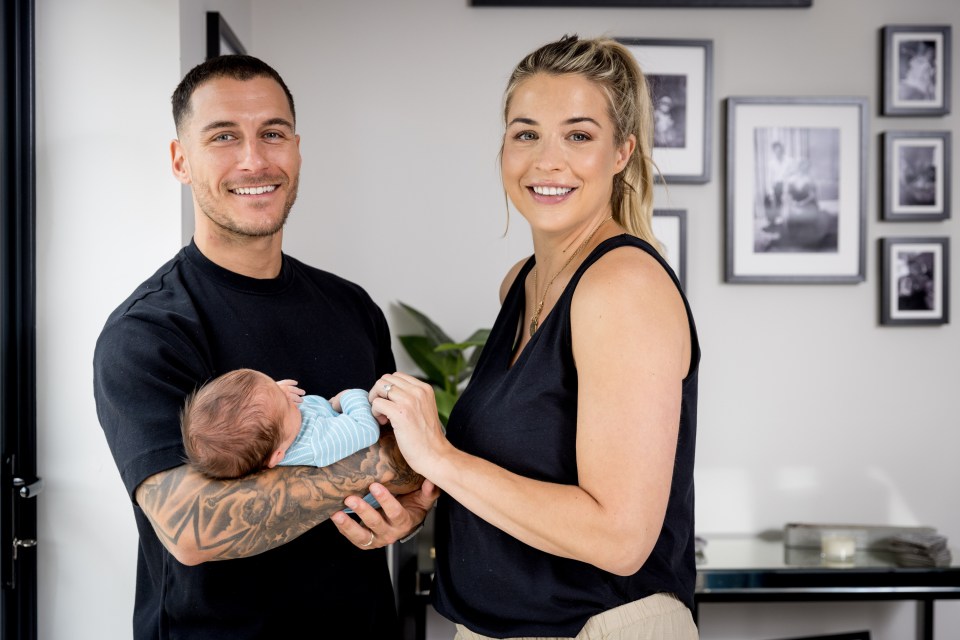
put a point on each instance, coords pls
(229, 427)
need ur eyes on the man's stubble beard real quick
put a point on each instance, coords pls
(235, 228)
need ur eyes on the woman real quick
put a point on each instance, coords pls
(567, 466)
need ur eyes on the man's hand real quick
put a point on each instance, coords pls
(396, 518)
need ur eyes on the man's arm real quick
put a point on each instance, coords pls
(199, 519)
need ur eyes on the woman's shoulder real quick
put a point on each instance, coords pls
(630, 271)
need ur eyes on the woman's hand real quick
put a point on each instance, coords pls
(411, 408)
(396, 518)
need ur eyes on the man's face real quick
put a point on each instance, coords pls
(239, 152)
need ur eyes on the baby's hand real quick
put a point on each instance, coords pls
(294, 393)
(335, 402)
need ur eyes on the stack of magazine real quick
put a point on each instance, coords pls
(920, 549)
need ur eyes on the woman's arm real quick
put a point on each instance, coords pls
(631, 342)
(199, 519)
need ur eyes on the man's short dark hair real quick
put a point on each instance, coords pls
(235, 66)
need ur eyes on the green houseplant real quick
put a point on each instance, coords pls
(446, 365)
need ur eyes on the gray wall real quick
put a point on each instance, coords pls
(809, 410)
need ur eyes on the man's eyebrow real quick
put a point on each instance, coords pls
(226, 124)
(282, 122)
(218, 124)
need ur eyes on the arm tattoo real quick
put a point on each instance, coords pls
(223, 519)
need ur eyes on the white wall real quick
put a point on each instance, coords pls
(106, 219)
(809, 410)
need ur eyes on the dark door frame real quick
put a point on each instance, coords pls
(18, 410)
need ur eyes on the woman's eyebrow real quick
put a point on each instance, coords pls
(568, 121)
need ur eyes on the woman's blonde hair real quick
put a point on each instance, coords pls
(614, 69)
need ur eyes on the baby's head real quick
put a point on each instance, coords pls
(238, 423)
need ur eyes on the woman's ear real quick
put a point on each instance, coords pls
(624, 151)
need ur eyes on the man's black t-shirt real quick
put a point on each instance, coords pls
(192, 321)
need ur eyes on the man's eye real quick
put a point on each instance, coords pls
(223, 137)
(273, 135)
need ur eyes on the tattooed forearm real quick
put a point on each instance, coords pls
(199, 519)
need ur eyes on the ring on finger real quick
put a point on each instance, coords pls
(386, 390)
(370, 541)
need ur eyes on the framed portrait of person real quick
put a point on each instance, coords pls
(915, 281)
(916, 70)
(670, 228)
(680, 79)
(916, 175)
(796, 189)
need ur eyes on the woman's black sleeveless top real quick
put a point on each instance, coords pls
(524, 419)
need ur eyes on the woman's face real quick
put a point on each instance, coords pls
(559, 155)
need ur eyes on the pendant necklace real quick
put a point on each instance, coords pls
(534, 322)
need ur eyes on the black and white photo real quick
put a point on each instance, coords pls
(798, 189)
(796, 175)
(680, 80)
(915, 281)
(916, 70)
(916, 170)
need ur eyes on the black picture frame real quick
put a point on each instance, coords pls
(856, 635)
(916, 70)
(914, 280)
(916, 175)
(670, 228)
(796, 189)
(703, 4)
(680, 75)
(221, 39)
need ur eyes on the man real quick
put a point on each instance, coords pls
(254, 557)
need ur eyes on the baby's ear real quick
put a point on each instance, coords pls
(275, 458)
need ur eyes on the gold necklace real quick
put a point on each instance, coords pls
(536, 316)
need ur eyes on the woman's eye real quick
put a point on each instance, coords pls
(579, 137)
(526, 135)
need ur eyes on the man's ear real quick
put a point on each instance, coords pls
(179, 164)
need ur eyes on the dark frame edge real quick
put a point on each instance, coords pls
(18, 370)
(217, 28)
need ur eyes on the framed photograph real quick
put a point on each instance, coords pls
(712, 4)
(916, 175)
(221, 39)
(915, 281)
(670, 228)
(916, 70)
(796, 189)
(680, 77)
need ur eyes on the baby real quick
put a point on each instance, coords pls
(245, 421)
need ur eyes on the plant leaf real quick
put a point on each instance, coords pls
(433, 331)
(421, 351)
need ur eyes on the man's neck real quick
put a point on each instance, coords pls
(252, 257)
